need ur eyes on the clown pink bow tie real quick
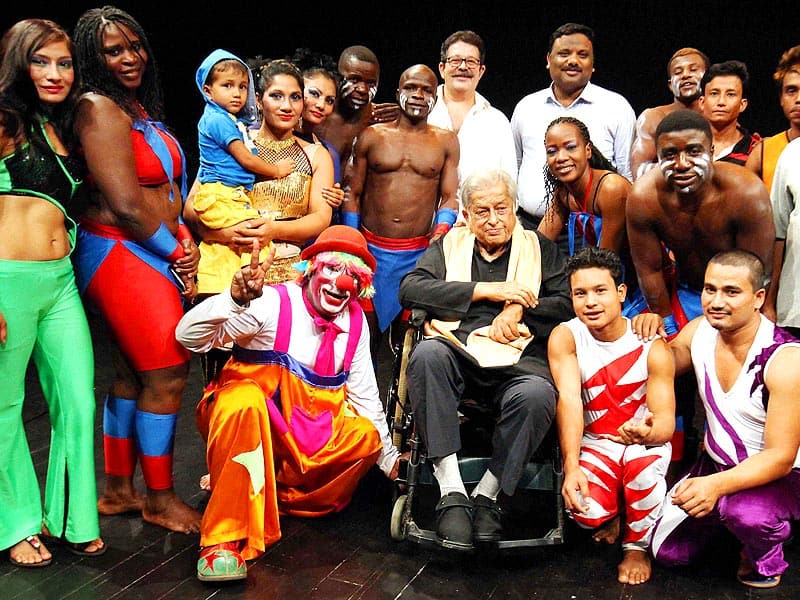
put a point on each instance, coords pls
(325, 363)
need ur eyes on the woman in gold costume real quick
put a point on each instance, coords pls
(294, 209)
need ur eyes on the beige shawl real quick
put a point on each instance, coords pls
(524, 265)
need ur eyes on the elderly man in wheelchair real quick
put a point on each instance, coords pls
(493, 293)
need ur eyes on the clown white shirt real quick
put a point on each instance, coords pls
(218, 320)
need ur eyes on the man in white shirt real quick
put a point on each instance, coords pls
(782, 304)
(608, 115)
(484, 133)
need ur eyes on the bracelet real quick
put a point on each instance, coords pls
(670, 325)
(445, 216)
(163, 243)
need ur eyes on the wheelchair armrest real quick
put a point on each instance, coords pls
(417, 318)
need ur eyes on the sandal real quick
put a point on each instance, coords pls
(761, 582)
(33, 542)
(77, 548)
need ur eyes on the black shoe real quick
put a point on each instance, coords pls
(487, 523)
(454, 522)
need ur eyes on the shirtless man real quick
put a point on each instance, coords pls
(355, 110)
(696, 208)
(402, 190)
(685, 70)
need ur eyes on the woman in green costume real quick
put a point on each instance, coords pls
(41, 314)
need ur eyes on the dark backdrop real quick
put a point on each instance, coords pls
(633, 41)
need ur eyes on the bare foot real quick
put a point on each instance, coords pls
(119, 496)
(744, 569)
(634, 568)
(29, 551)
(165, 509)
(608, 532)
(205, 482)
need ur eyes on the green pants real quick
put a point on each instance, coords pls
(45, 317)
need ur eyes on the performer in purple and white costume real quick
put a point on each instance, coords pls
(747, 480)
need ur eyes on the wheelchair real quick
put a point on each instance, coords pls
(543, 475)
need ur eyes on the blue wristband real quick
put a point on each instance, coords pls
(670, 325)
(447, 216)
(351, 219)
(162, 242)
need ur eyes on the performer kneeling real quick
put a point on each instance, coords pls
(294, 419)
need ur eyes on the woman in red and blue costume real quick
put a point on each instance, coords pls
(135, 260)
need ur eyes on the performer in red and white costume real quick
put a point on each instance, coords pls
(615, 412)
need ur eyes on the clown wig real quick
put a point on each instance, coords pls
(354, 266)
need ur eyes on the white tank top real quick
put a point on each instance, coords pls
(613, 378)
(735, 420)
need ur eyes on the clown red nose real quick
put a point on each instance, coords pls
(346, 283)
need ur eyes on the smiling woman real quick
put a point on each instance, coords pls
(134, 260)
(41, 314)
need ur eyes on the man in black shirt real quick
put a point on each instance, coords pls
(494, 292)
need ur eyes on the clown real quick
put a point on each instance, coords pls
(294, 419)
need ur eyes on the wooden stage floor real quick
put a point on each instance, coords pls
(349, 555)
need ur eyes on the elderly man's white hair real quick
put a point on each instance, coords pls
(486, 178)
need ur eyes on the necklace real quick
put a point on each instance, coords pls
(274, 145)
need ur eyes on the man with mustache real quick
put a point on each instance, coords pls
(293, 420)
(402, 190)
(484, 133)
(747, 479)
(608, 115)
(685, 70)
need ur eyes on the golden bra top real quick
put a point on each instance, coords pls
(287, 197)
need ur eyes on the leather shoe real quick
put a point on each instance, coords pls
(454, 522)
(487, 517)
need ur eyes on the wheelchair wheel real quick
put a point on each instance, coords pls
(397, 528)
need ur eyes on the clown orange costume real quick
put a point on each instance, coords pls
(294, 420)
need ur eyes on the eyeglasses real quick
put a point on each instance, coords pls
(455, 62)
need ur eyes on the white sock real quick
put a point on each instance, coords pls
(488, 486)
(446, 472)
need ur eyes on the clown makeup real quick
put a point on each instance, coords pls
(324, 292)
(332, 279)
